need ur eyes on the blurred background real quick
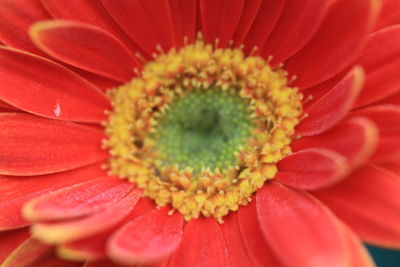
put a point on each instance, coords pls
(385, 257)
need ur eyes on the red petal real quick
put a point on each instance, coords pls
(16, 191)
(368, 201)
(381, 65)
(105, 263)
(62, 232)
(32, 145)
(386, 117)
(257, 247)
(359, 255)
(374, 56)
(355, 138)
(390, 13)
(266, 19)
(219, 20)
(300, 230)
(43, 87)
(28, 253)
(86, 47)
(297, 24)
(34, 253)
(91, 12)
(236, 248)
(336, 44)
(77, 200)
(148, 238)
(325, 112)
(10, 240)
(202, 245)
(146, 25)
(249, 14)
(94, 247)
(16, 17)
(312, 168)
(183, 15)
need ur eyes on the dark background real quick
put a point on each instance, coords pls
(385, 257)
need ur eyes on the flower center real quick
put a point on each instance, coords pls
(201, 129)
(205, 128)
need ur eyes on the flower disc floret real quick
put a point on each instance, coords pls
(201, 129)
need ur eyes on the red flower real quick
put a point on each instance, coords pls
(339, 186)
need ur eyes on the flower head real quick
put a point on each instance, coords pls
(198, 133)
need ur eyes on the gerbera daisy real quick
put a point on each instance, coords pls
(198, 133)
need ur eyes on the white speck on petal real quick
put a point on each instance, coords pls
(57, 110)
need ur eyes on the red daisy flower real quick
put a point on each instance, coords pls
(198, 132)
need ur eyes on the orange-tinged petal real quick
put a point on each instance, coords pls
(77, 200)
(368, 201)
(299, 229)
(325, 112)
(148, 238)
(355, 138)
(62, 232)
(202, 243)
(312, 168)
(40, 86)
(32, 145)
(86, 47)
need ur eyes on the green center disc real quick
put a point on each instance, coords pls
(204, 128)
